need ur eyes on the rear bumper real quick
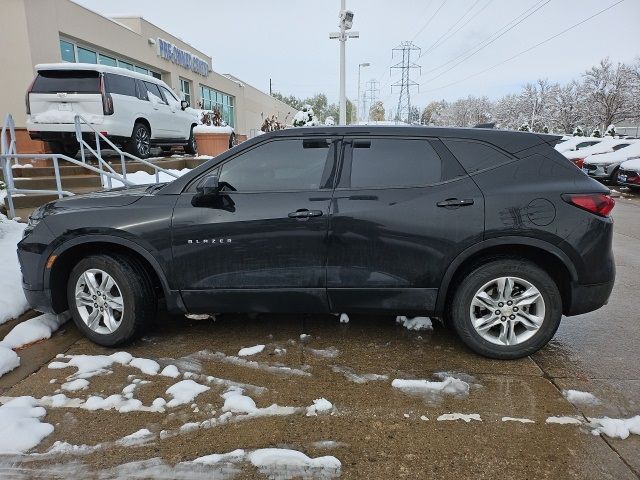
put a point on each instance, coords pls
(587, 298)
(108, 124)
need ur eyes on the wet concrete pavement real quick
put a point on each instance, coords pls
(378, 429)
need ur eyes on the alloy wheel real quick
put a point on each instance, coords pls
(142, 141)
(507, 311)
(99, 301)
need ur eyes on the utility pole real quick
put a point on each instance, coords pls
(358, 117)
(370, 95)
(405, 83)
(270, 88)
(346, 22)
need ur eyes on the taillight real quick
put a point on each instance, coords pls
(107, 101)
(597, 203)
(578, 162)
(27, 101)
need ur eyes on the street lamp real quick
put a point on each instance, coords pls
(346, 22)
(360, 65)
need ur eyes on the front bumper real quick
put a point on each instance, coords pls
(599, 171)
(39, 300)
(587, 298)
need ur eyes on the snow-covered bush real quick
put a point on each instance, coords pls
(271, 125)
(545, 129)
(596, 133)
(305, 118)
(524, 128)
(578, 132)
(330, 121)
(611, 131)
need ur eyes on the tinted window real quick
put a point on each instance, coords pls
(170, 97)
(141, 90)
(475, 156)
(69, 81)
(585, 144)
(394, 162)
(121, 85)
(294, 164)
(87, 56)
(619, 146)
(153, 89)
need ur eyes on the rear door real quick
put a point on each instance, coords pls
(56, 96)
(261, 244)
(402, 210)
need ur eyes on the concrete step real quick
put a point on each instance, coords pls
(49, 183)
(33, 201)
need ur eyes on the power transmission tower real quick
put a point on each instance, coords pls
(405, 84)
(370, 95)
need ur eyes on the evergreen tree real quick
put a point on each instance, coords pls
(524, 128)
(611, 131)
(578, 132)
(596, 133)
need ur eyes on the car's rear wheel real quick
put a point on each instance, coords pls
(111, 298)
(140, 142)
(506, 309)
(191, 148)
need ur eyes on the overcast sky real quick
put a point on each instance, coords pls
(287, 40)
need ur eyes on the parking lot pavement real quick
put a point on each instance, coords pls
(374, 429)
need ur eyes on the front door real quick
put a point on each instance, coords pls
(402, 210)
(261, 243)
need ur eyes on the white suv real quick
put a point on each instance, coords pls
(133, 110)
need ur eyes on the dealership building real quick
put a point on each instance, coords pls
(50, 31)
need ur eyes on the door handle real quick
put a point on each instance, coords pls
(455, 202)
(304, 214)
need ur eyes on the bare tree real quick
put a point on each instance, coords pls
(565, 108)
(376, 112)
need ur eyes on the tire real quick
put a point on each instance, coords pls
(191, 148)
(68, 149)
(525, 341)
(136, 295)
(233, 140)
(139, 144)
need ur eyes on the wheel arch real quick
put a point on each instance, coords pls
(546, 255)
(68, 255)
(145, 122)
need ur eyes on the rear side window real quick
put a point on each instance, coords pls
(393, 162)
(619, 146)
(121, 85)
(476, 156)
(154, 91)
(66, 81)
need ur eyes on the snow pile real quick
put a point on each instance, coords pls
(170, 371)
(145, 365)
(12, 299)
(20, 425)
(578, 397)
(564, 420)
(75, 385)
(136, 438)
(352, 376)
(320, 405)
(211, 129)
(32, 330)
(248, 351)
(8, 360)
(185, 391)
(415, 323)
(236, 402)
(616, 427)
(95, 402)
(91, 365)
(459, 416)
(144, 178)
(331, 352)
(516, 419)
(344, 318)
(449, 385)
(286, 463)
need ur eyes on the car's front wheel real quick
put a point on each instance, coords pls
(139, 144)
(111, 298)
(191, 148)
(506, 309)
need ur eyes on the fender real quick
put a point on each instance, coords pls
(123, 242)
(493, 242)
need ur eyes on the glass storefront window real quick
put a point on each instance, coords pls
(87, 56)
(67, 51)
(126, 65)
(142, 70)
(109, 61)
(156, 75)
(185, 89)
(212, 98)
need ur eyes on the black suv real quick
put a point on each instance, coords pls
(492, 231)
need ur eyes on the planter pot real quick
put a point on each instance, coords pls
(212, 143)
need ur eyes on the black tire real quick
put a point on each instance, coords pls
(138, 297)
(191, 148)
(68, 149)
(233, 140)
(139, 144)
(493, 269)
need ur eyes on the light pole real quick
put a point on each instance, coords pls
(360, 65)
(346, 22)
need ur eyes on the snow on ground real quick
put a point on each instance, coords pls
(449, 385)
(12, 299)
(578, 397)
(320, 405)
(185, 391)
(8, 360)
(331, 352)
(32, 330)
(136, 438)
(20, 425)
(516, 419)
(170, 371)
(415, 323)
(459, 416)
(564, 420)
(91, 365)
(248, 351)
(75, 385)
(233, 360)
(145, 365)
(144, 178)
(352, 376)
(616, 427)
(344, 318)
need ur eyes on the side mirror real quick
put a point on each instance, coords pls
(209, 186)
(184, 104)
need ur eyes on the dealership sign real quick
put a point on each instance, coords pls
(171, 52)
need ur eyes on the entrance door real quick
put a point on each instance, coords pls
(395, 224)
(261, 243)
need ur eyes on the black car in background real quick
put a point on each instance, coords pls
(493, 231)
